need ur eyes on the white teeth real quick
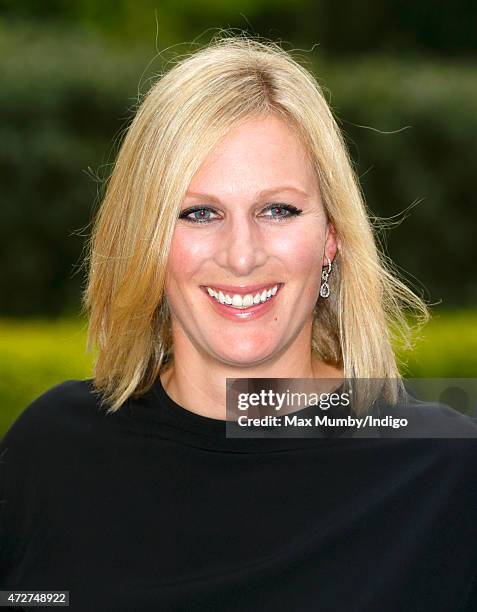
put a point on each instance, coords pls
(246, 301)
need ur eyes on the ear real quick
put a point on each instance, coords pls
(331, 244)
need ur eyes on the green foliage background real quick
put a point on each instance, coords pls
(400, 77)
(67, 101)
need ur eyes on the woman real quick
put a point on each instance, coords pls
(233, 242)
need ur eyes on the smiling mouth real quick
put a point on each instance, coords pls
(242, 302)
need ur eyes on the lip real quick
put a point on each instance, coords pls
(247, 314)
(242, 289)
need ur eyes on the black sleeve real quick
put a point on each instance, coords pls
(469, 602)
(25, 450)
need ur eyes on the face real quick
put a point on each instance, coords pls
(252, 220)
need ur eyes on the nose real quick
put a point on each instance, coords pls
(242, 246)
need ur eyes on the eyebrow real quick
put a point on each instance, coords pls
(259, 194)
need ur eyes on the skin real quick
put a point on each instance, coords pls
(245, 244)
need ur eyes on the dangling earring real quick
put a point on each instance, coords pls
(325, 288)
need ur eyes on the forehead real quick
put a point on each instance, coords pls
(259, 154)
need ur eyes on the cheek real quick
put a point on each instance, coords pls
(188, 251)
(300, 250)
(301, 253)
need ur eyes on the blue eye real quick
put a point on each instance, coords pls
(201, 214)
(291, 210)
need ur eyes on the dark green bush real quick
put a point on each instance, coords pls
(67, 99)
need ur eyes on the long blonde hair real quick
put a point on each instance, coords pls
(183, 116)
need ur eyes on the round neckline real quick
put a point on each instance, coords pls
(195, 429)
(197, 422)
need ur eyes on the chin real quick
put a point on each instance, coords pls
(248, 358)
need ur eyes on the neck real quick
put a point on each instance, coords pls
(197, 383)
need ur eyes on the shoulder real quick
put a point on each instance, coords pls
(71, 397)
(63, 410)
(439, 433)
(63, 429)
(429, 419)
(38, 454)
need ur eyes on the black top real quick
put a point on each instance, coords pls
(153, 508)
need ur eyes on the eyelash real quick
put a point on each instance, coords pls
(294, 212)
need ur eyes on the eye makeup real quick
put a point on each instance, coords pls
(292, 211)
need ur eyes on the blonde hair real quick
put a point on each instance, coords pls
(183, 116)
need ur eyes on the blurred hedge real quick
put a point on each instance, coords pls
(36, 355)
(67, 98)
(342, 28)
